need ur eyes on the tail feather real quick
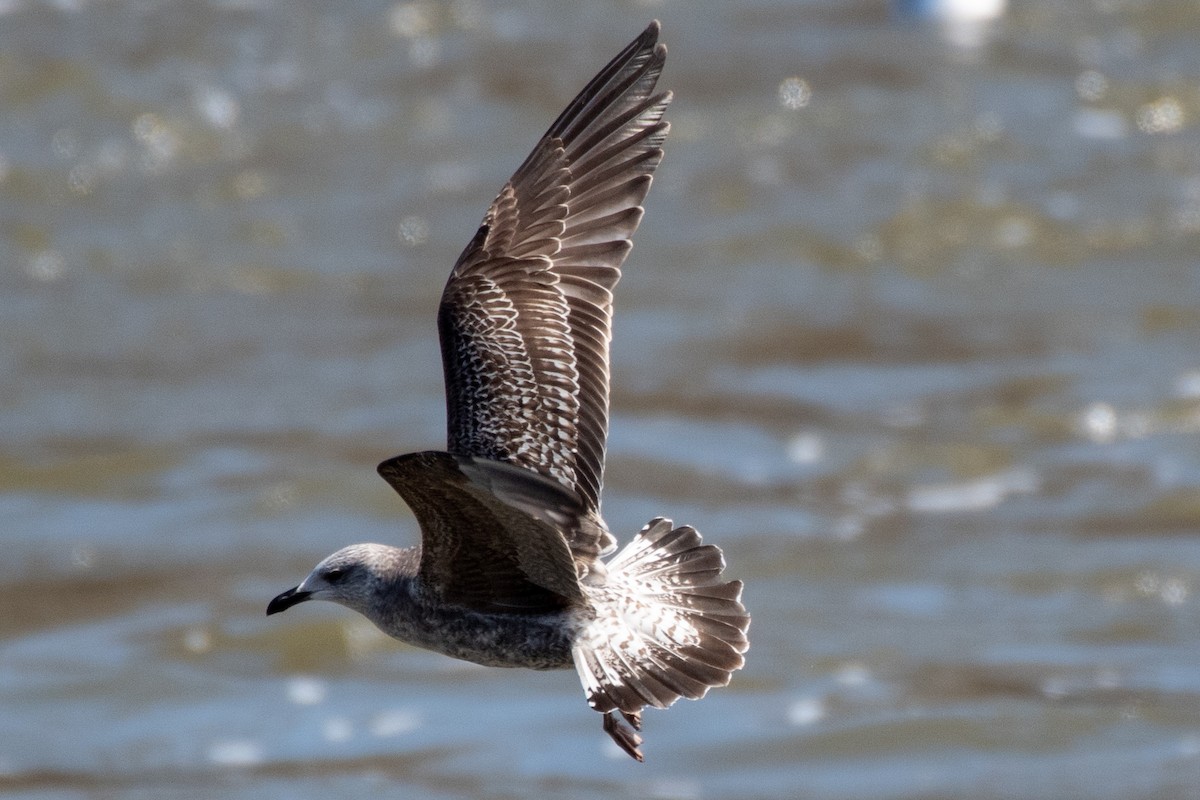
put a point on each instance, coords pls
(665, 624)
(607, 683)
(643, 684)
(678, 675)
(701, 674)
(716, 656)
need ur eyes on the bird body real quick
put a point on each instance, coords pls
(509, 571)
(418, 615)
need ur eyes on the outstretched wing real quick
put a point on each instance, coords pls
(525, 319)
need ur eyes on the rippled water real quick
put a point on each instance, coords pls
(911, 329)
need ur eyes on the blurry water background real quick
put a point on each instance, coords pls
(911, 329)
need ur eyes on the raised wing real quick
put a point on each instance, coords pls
(525, 319)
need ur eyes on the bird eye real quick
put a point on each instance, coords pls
(336, 574)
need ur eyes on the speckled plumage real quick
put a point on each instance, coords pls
(509, 570)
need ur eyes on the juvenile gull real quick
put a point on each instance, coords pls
(509, 570)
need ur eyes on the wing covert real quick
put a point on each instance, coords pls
(479, 550)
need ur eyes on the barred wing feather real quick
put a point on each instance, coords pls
(525, 318)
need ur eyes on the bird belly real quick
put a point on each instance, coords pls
(541, 641)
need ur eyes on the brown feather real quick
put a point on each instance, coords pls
(525, 319)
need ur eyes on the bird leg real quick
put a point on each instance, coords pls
(625, 734)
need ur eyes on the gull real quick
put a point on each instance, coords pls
(510, 570)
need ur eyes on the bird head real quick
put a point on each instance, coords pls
(352, 577)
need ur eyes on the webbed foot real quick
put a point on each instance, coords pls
(625, 733)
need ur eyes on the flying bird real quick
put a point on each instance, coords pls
(510, 571)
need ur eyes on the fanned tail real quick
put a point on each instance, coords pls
(666, 626)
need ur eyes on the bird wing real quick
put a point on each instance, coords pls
(490, 533)
(525, 318)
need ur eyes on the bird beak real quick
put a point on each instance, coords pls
(286, 600)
